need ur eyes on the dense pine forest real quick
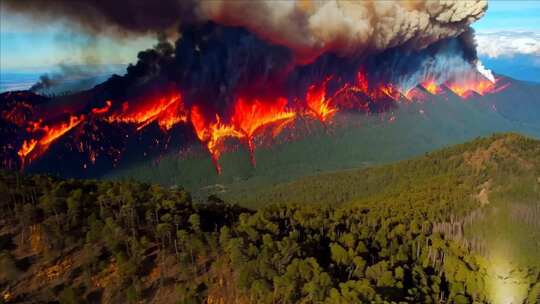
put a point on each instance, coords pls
(417, 231)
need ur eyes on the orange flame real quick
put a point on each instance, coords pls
(212, 134)
(480, 85)
(51, 134)
(167, 111)
(318, 105)
(381, 91)
(389, 91)
(104, 109)
(251, 117)
(55, 132)
(431, 86)
(27, 148)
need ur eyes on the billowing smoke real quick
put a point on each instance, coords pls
(45, 82)
(241, 68)
(309, 28)
(346, 27)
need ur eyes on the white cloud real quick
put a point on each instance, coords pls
(508, 44)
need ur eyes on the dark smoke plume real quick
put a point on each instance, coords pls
(228, 51)
(309, 28)
(126, 16)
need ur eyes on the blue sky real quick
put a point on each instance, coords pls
(24, 44)
(510, 16)
(27, 45)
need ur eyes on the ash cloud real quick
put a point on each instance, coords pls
(308, 28)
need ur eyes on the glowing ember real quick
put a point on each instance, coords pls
(362, 82)
(17, 114)
(104, 109)
(389, 91)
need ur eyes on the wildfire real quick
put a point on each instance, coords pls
(374, 92)
(318, 105)
(166, 110)
(362, 82)
(459, 90)
(50, 134)
(432, 87)
(212, 133)
(27, 148)
(251, 117)
(414, 94)
(480, 85)
(55, 132)
(389, 91)
(104, 109)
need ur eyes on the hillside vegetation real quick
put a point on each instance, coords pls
(352, 141)
(392, 234)
(451, 175)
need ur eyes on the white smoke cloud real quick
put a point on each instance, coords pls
(508, 44)
(484, 71)
(346, 27)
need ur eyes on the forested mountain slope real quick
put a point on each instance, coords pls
(396, 233)
(354, 141)
(453, 173)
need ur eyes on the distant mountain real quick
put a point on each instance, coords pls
(60, 80)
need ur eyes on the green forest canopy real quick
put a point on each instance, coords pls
(373, 235)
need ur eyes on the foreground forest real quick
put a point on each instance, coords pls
(412, 232)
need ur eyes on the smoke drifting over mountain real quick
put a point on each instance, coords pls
(309, 28)
(246, 70)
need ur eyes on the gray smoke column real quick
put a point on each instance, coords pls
(308, 28)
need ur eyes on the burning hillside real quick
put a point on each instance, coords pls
(244, 80)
